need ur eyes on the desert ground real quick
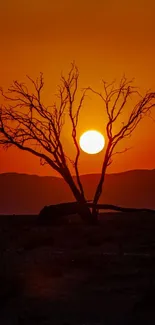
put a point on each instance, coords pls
(78, 274)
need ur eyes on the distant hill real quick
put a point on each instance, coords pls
(27, 194)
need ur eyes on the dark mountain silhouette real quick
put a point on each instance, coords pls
(27, 194)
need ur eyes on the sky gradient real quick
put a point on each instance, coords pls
(105, 38)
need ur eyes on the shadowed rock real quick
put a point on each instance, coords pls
(55, 213)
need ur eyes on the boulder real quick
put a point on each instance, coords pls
(54, 214)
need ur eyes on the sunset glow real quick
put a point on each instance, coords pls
(92, 142)
(46, 36)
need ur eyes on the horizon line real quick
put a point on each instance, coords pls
(113, 173)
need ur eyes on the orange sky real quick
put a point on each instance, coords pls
(105, 38)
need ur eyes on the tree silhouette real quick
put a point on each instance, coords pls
(115, 100)
(25, 122)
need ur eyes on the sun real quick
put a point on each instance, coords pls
(92, 142)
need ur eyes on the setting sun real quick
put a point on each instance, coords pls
(92, 142)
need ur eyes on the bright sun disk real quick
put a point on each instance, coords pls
(92, 142)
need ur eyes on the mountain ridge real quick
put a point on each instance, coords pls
(28, 193)
(124, 172)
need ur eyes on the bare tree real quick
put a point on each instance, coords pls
(28, 124)
(115, 100)
(25, 122)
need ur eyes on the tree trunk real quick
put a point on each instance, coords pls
(101, 181)
(97, 196)
(84, 210)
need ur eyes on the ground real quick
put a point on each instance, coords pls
(78, 274)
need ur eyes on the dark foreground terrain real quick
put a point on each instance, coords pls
(78, 274)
